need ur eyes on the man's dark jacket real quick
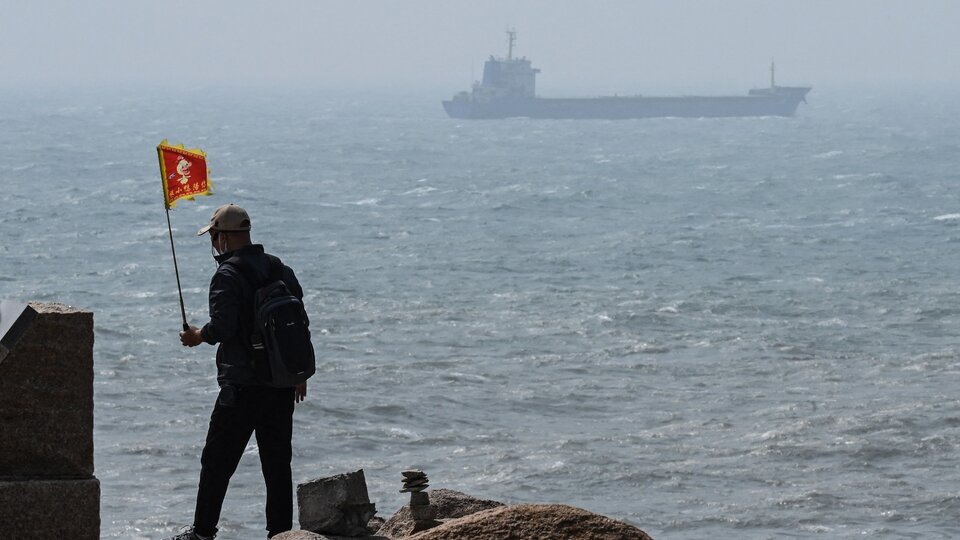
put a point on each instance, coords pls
(231, 310)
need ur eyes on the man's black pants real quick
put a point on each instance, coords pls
(268, 412)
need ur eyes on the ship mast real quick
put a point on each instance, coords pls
(512, 37)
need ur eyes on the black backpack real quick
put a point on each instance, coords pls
(280, 335)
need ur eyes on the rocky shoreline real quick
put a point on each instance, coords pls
(443, 514)
(47, 487)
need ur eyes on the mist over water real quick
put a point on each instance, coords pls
(731, 328)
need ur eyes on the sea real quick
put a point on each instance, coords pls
(743, 328)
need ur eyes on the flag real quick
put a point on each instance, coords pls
(184, 173)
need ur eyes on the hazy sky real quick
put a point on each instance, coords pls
(437, 45)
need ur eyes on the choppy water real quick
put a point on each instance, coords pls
(740, 328)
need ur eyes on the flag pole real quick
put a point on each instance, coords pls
(183, 312)
(188, 188)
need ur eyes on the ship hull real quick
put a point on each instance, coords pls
(781, 101)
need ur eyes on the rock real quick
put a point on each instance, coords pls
(299, 535)
(448, 504)
(46, 397)
(419, 498)
(534, 522)
(452, 504)
(423, 513)
(307, 535)
(399, 525)
(375, 523)
(338, 505)
(402, 525)
(414, 481)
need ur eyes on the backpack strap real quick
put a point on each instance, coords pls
(276, 268)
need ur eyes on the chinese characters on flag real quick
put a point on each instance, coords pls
(184, 173)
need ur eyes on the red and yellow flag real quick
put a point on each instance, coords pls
(184, 173)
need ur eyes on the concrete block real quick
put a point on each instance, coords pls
(50, 509)
(46, 397)
(338, 505)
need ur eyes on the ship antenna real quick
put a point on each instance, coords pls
(512, 36)
(773, 84)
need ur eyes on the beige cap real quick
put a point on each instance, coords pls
(227, 218)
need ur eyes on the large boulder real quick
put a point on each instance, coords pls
(534, 522)
(336, 505)
(452, 504)
(399, 525)
(448, 503)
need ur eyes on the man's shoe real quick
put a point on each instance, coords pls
(188, 534)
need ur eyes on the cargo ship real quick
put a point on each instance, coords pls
(508, 89)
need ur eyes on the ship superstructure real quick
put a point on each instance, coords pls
(508, 89)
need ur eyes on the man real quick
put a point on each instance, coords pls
(244, 405)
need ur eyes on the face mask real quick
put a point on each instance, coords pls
(214, 249)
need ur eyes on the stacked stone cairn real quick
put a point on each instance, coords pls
(415, 482)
